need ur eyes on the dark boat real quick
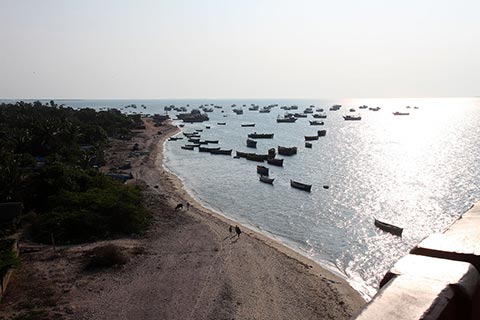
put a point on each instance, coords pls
(322, 133)
(266, 179)
(221, 123)
(389, 228)
(262, 170)
(272, 153)
(319, 116)
(251, 143)
(191, 135)
(398, 113)
(202, 142)
(257, 157)
(308, 145)
(363, 107)
(174, 138)
(186, 147)
(199, 130)
(352, 118)
(194, 116)
(207, 149)
(220, 151)
(316, 123)
(211, 141)
(248, 124)
(207, 127)
(300, 115)
(301, 186)
(287, 151)
(275, 162)
(283, 120)
(195, 140)
(260, 135)
(243, 154)
(310, 138)
(195, 145)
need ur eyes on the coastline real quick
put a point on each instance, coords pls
(186, 266)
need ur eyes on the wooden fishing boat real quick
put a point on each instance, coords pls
(316, 123)
(211, 141)
(287, 151)
(243, 154)
(322, 133)
(398, 113)
(319, 116)
(248, 124)
(300, 115)
(251, 143)
(199, 130)
(257, 157)
(194, 140)
(222, 151)
(187, 147)
(262, 170)
(221, 123)
(260, 135)
(308, 145)
(266, 179)
(207, 149)
(286, 120)
(175, 138)
(352, 118)
(311, 138)
(390, 228)
(194, 145)
(271, 153)
(301, 186)
(275, 162)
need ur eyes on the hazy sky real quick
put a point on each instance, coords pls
(239, 49)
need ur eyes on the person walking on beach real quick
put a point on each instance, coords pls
(238, 231)
(230, 229)
(188, 206)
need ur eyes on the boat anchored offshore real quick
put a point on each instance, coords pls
(301, 186)
(266, 179)
(390, 228)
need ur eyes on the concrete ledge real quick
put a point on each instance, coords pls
(425, 288)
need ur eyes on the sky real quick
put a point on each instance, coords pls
(119, 49)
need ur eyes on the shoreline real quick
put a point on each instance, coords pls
(186, 265)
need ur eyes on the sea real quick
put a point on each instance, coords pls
(419, 171)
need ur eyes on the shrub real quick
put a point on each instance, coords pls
(105, 257)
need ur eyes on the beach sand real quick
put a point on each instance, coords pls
(187, 266)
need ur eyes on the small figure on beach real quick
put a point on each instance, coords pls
(238, 231)
(230, 229)
(179, 207)
(188, 206)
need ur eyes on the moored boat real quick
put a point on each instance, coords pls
(308, 145)
(243, 154)
(319, 116)
(211, 141)
(266, 179)
(187, 147)
(257, 157)
(352, 118)
(221, 123)
(287, 151)
(316, 123)
(275, 162)
(301, 186)
(262, 170)
(207, 149)
(311, 138)
(283, 120)
(248, 124)
(260, 135)
(390, 228)
(398, 113)
(222, 151)
(322, 133)
(251, 143)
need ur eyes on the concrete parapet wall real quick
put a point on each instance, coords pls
(439, 279)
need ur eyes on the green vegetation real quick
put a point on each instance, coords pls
(48, 157)
(8, 259)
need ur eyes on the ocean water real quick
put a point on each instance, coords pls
(420, 172)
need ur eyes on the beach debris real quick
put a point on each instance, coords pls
(179, 207)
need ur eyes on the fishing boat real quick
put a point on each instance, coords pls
(322, 133)
(287, 151)
(207, 149)
(398, 113)
(308, 145)
(211, 141)
(238, 111)
(363, 107)
(262, 170)
(285, 120)
(194, 140)
(266, 179)
(335, 107)
(222, 151)
(243, 154)
(251, 143)
(319, 116)
(221, 123)
(301, 186)
(264, 110)
(207, 127)
(374, 108)
(311, 138)
(352, 118)
(389, 228)
(257, 157)
(316, 123)
(271, 153)
(248, 124)
(260, 135)
(174, 138)
(187, 147)
(300, 115)
(199, 130)
(275, 162)
(195, 145)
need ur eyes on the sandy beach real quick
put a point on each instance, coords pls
(187, 266)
